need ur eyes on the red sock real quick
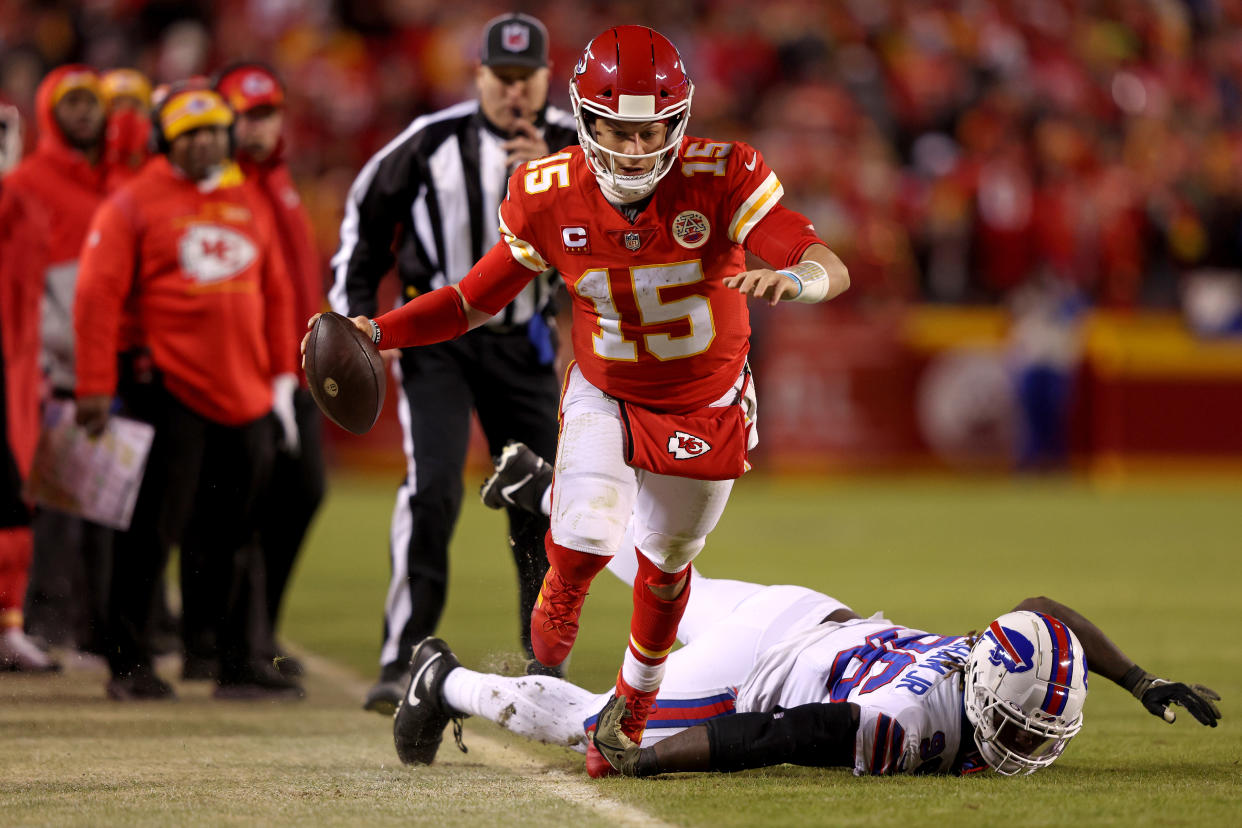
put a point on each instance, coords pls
(15, 550)
(653, 625)
(574, 566)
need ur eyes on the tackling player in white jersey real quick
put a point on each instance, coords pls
(783, 674)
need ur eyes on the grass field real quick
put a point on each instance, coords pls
(1157, 565)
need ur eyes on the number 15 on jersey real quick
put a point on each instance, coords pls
(647, 283)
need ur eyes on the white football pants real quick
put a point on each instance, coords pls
(596, 494)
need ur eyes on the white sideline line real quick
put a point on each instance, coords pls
(553, 783)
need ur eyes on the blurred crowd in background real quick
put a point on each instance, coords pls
(948, 151)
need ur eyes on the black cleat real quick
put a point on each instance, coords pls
(423, 714)
(259, 681)
(520, 479)
(140, 685)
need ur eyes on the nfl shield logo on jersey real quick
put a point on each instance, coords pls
(685, 446)
(515, 37)
(633, 240)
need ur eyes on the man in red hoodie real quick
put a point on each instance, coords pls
(187, 250)
(257, 98)
(46, 205)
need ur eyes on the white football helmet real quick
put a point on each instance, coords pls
(630, 73)
(1026, 681)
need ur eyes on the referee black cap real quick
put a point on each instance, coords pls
(515, 40)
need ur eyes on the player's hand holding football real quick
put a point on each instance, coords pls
(1157, 694)
(360, 322)
(764, 284)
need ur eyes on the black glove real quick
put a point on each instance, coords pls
(1157, 694)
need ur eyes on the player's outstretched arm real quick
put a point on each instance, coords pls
(818, 277)
(813, 735)
(1107, 659)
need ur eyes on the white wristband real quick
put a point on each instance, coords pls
(812, 279)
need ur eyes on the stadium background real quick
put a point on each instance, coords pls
(950, 152)
(1042, 192)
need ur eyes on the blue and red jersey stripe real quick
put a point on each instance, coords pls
(887, 745)
(681, 713)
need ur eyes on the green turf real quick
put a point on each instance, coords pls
(1156, 565)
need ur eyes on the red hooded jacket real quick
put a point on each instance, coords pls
(197, 264)
(46, 204)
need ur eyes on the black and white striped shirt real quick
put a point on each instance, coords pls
(440, 182)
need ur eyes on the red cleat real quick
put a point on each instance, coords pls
(554, 620)
(638, 706)
(597, 765)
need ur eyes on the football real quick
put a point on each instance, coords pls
(345, 372)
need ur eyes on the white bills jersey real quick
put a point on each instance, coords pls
(903, 680)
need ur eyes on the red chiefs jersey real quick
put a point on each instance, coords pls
(202, 272)
(653, 322)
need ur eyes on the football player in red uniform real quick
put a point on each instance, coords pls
(649, 229)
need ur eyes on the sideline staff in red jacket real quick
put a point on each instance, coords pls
(257, 98)
(191, 253)
(45, 207)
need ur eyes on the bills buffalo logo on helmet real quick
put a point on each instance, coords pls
(1012, 649)
(213, 253)
(685, 446)
(515, 37)
(691, 229)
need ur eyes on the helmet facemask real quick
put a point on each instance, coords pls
(1014, 743)
(604, 162)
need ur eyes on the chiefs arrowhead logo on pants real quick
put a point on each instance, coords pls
(685, 446)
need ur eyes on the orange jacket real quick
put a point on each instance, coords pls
(198, 266)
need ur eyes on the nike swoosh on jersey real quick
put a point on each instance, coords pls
(754, 156)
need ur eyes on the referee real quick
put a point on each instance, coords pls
(435, 189)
